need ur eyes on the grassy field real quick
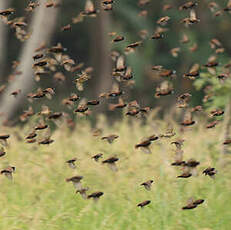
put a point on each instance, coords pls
(39, 198)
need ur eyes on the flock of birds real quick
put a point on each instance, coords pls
(47, 60)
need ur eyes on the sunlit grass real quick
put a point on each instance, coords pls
(39, 197)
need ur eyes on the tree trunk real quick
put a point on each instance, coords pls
(42, 27)
(226, 127)
(101, 53)
(3, 38)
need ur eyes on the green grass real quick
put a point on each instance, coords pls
(39, 198)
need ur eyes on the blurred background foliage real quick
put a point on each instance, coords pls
(85, 40)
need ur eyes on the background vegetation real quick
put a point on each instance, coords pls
(39, 198)
(90, 37)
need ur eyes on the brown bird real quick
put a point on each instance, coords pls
(183, 99)
(93, 102)
(167, 7)
(192, 163)
(118, 39)
(157, 36)
(7, 12)
(163, 20)
(83, 192)
(197, 108)
(40, 63)
(193, 72)
(31, 141)
(178, 143)
(3, 139)
(167, 73)
(41, 126)
(38, 56)
(188, 119)
(164, 89)
(144, 203)
(76, 180)
(71, 163)
(89, 9)
(128, 74)
(133, 108)
(143, 3)
(95, 195)
(210, 172)
(193, 203)
(31, 135)
(57, 49)
(66, 27)
(188, 5)
(211, 64)
(111, 163)
(228, 7)
(185, 39)
(189, 206)
(191, 166)
(153, 138)
(185, 175)
(16, 93)
(178, 157)
(120, 64)
(81, 109)
(54, 116)
(144, 145)
(97, 156)
(211, 124)
(119, 105)
(186, 171)
(46, 141)
(147, 185)
(110, 139)
(134, 45)
(169, 133)
(216, 113)
(178, 163)
(107, 2)
(227, 142)
(2, 152)
(8, 172)
(192, 19)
